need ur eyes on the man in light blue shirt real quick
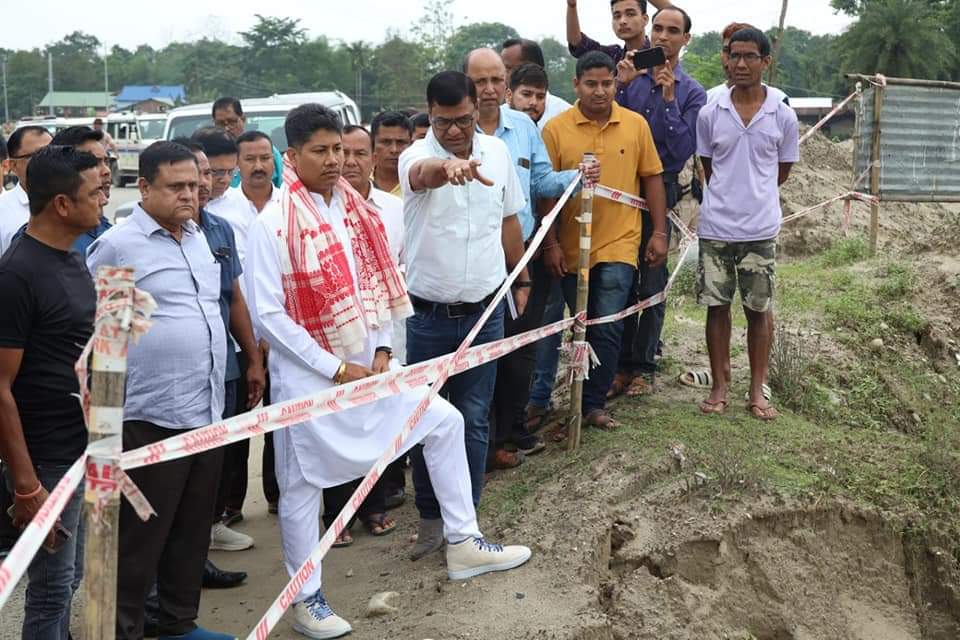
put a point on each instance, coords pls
(538, 180)
(175, 382)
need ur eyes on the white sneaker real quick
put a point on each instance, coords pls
(475, 556)
(315, 619)
(223, 538)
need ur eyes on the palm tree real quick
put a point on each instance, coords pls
(899, 38)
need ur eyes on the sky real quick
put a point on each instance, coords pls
(160, 22)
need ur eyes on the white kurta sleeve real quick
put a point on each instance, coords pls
(265, 298)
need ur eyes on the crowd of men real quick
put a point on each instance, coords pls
(354, 251)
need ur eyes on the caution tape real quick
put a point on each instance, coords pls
(849, 196)
(23, 552)
(638, 202)
(828, 117)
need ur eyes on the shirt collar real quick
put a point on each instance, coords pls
(21, 194)
(475, 152)
(770, 102)
(615, 114)
(148, 226)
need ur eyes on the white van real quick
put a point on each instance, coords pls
(132, 133)
(262, 114)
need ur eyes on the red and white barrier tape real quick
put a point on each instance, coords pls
(35, 533)
(850, 195)
(640, 203)
(826, 118)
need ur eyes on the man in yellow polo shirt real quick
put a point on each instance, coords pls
(621, 141)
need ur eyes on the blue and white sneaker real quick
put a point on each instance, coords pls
(476, 556)
(315, 619)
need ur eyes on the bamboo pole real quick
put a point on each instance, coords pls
(878, 91)
(583, 293)
(102, 495)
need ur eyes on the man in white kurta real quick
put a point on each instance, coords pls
(340, 447)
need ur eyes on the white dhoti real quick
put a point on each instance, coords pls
(340, 447)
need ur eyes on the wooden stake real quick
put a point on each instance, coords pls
(102, 507)
(583, 293)
(878, 91)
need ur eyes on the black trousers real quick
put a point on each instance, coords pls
(335, 498)
(515, 370)
(170, 548)
(233, 481)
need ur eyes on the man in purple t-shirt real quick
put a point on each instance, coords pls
(748, 141)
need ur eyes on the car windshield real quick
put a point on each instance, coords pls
(271, 123)
(151, 129)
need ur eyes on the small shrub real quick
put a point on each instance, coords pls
(844, 252)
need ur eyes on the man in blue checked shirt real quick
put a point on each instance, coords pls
(538, 180)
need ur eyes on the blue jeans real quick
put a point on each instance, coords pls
(54, 578)
(431, 334)
(641, 335)
(610, 285)
(548, 351)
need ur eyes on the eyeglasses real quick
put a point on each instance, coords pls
(464, 123)
(221, 173)
(749, 58)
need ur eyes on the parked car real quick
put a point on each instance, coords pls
(132, 133)
(262, 114)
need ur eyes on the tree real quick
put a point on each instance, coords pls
(474, 36)
(777, 44)
(561, 68)
(399, 80)
(433, 31)
(901, 38)
(707, 70)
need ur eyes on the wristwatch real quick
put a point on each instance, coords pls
(386, 350)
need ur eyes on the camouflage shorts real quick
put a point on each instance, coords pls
(723, 265)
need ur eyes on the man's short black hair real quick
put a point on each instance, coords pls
(595, 60)
(350, 128)
(253, 136)
(162, 152)
(390, 119)
(530, 50)
(449, 88)
(641, 3)
(15, 141)
(215, 141)
(307, 119)
(420, 120)
(75, 136)
(227, 102)
(753, 35)
(55, 170)
(687, 24)
(529, 74)
(193, 145)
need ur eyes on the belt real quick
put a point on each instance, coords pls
(452, 310)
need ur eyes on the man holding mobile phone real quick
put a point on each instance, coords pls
(670, 100)
(46, 319)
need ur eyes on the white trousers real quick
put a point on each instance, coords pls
(446, 458)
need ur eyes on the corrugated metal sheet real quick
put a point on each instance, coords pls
(919, 143)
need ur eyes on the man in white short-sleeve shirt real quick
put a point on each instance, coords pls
(748, 140)
(461, 196)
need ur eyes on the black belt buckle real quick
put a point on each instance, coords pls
(456, 311)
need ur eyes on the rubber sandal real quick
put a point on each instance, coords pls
(536, 418)
(640, 387)
(766, 414)
(379, 520)
(713, 408)
(600, 419)
(699, 378)
(620, 383)
(345, 539)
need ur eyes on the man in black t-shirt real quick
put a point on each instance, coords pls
(46, 318)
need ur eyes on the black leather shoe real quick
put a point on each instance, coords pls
(215, 578)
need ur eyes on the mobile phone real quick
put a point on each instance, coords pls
(61, 535)
(649, 58)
